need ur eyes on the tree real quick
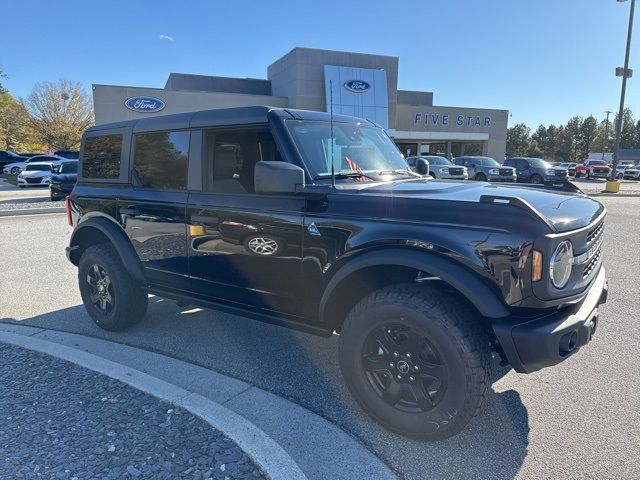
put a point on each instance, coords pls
(603, 141)
(627, 138)
(15, 128)
(2, 75)
(518, 140)
(59, 113)
(586, 135)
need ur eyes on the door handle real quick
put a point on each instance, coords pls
(130, 211)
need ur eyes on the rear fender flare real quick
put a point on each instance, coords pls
(118, 240)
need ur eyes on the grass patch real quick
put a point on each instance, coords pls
(12, 179)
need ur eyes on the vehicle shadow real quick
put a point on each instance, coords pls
(304, 368)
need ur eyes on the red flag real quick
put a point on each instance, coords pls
(354, 167)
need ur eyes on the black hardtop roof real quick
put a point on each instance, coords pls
(220, 117)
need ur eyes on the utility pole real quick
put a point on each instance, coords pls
(624, 73)
(606, 133)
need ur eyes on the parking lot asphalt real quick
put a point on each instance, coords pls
(579, 419)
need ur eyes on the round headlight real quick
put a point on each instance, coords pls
(561, 264)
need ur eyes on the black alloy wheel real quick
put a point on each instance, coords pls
(404, 368)
(101, 290)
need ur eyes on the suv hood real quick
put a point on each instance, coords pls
(561, 210)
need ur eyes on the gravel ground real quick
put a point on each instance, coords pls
(59, 420)
(25, 205)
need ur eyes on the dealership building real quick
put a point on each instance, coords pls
(363, 85)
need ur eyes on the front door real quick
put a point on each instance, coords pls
(152, 209)
(244, 248)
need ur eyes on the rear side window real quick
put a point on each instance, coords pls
(102, 156)
(160, 160)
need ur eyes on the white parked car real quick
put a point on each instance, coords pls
(17, 167)
(632, 172)
(35, 174)
(441, 167)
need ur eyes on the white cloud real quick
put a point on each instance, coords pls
(165, 37)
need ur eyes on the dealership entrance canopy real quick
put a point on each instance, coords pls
(363, 85)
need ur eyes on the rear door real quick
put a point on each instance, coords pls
(151, 209)
(523, 170)
(244, 248)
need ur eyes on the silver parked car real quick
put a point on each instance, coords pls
(440, 167)
(486, 169)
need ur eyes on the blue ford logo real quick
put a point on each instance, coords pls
(357, 86)
(144, 104)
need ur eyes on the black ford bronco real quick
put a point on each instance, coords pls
(316, 223)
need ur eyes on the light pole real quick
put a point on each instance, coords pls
(606, 133)
(624, 73)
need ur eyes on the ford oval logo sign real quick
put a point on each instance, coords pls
(144, 104)
(357, 86)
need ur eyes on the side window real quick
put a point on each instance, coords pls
(522, 164)
(230, 157)
(102, 156)
(160, 160)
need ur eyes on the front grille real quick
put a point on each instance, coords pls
(595, 232)
(33, 180)
(455, 171)
(588, 268)
(560, 173)
(506, 172)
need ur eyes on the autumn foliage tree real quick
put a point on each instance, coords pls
(59, 112)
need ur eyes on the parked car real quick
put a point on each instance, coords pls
(421, 279)
(537, 171)
(593, 169)
(35, 174)
(620, 169)
(632, 172)
(15, 168)
(571, 168)
(486, 169)
(70, 154)
(440, 167)
(63, 179)
(30, 154)
(7, 157)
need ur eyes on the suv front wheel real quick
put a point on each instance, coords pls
(112, 298)
(416, 360)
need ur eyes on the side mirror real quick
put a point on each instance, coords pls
(422, 166)
(277, 177)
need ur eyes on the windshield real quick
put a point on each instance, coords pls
(67, 167)
(538, 162)
(597, 162)
(356, 148)
(38, 168)
(437, 160)
(488, 161)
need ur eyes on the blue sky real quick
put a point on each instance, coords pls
(544, 60)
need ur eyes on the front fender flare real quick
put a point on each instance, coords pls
(118, 239)
(487, 301)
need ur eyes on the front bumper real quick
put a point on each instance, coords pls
(534, 343)
(502, 178)
(447, 176)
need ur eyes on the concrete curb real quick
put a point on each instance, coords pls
(319, 448)
(31, 211)
(270, 456)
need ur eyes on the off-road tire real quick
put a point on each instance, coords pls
(481, 177)
(451, 327)
(130, 301)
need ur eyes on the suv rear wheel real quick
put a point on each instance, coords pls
(416, 360)
(112, 299)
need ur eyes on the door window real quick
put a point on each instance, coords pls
(160, 160)
(230, 157)
(522, 165)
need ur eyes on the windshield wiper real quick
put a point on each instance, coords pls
(343, 174)
(400, 171)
